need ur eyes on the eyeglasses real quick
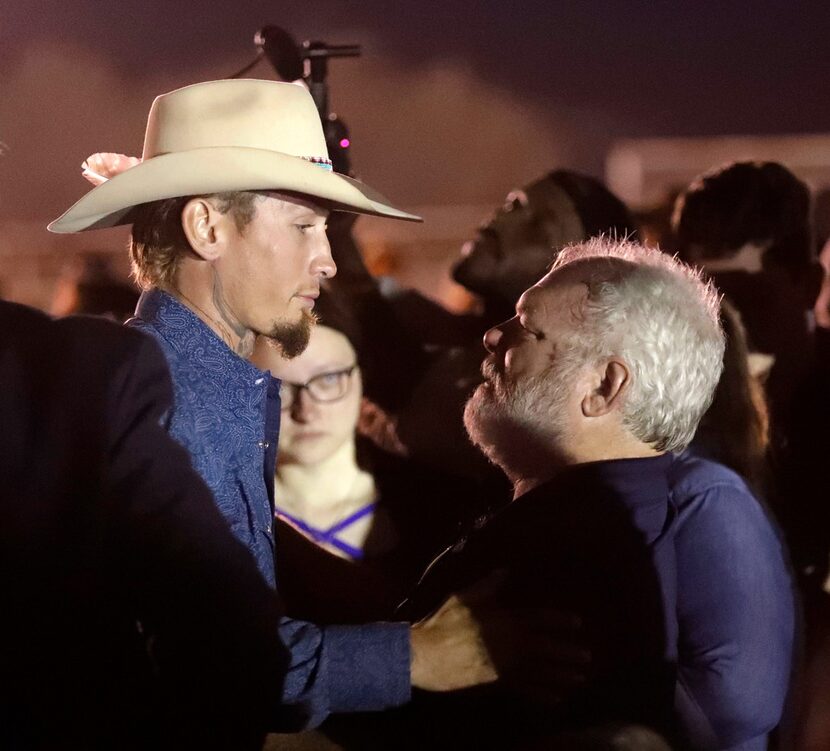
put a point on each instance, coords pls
(322, 388)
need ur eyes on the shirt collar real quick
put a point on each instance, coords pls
(635, 482)
(185, 331)
(640, 486)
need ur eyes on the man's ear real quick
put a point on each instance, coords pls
(610, 382)
(202, 225)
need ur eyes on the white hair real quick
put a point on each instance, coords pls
(663, 320)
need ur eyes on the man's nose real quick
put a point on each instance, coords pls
(323, 264)
(492, 338)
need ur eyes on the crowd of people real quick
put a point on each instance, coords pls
(291, 504)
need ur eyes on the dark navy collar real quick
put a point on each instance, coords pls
(634, 479)
(641, 486)
(637, 481)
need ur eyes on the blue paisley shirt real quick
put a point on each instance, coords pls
(226, 414)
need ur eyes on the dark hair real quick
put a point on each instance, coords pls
(735, 429)
(600, 211)
(746, 202)
(158, 241)
(334, 309)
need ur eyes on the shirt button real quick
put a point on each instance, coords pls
(258, 381)
(263, 444)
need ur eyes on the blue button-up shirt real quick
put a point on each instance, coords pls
(226, 414)
(736, 608)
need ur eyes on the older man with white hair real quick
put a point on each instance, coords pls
(604, 372)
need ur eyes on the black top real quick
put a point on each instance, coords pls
(595, 541)
(131, 616)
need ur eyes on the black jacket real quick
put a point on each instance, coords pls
(131, 616)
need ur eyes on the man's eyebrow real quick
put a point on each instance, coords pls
(306, 212)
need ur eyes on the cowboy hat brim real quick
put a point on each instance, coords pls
(219, 169)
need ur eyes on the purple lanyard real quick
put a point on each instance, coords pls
(328, 536)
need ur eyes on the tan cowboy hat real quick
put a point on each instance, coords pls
(222, 136)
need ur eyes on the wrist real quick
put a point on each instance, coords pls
(416, 661)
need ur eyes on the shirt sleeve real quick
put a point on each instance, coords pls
(343, 669)
(737, 619)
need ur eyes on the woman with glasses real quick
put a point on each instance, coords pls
(342, 492)
(319, 487)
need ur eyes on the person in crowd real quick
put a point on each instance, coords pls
(518, 244)
(579, 408)
(132, 618)
(228, 207)
(747, 224)
(320, 486)
(568, 410)
(93, 289)
(812, 722)
(735, 429)
(719, 657)
(755, 637)
(336, 487)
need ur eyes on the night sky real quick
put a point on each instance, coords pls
(453, 102)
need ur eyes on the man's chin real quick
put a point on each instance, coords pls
(292, 338)
(490, 391)
(480, 414)
(478, 399)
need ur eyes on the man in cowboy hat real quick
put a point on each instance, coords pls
(229, 205)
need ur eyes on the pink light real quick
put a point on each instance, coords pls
(345, 143)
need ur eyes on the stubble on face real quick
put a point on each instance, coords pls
(519, 427)
(290, 338)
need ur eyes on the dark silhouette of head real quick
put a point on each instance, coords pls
(514, 249)
(747, 224)
(759, 204)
